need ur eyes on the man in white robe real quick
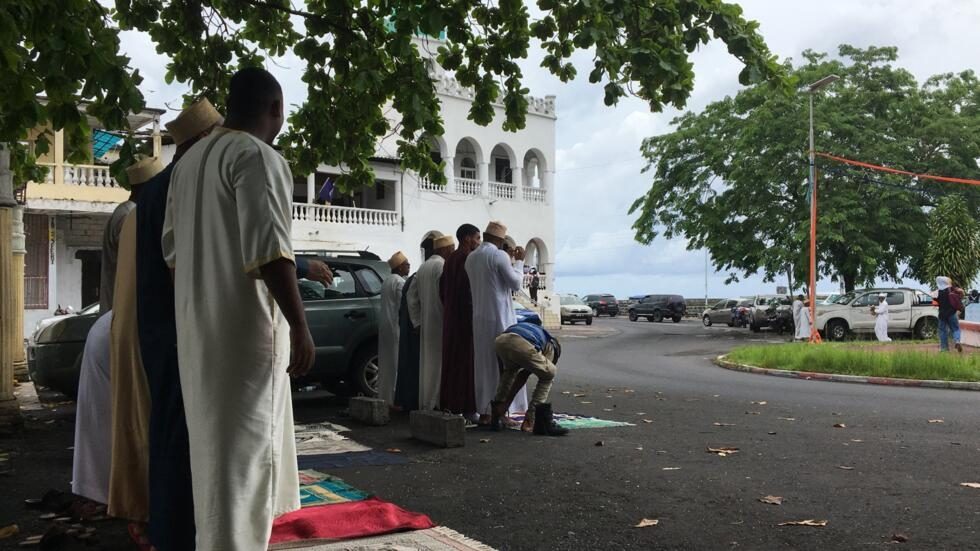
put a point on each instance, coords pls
(241, 329)
(803, 328)
(881, 318)
(493, 280)
(425, 297)
(391, 300)
(93, 417)
(797, 308)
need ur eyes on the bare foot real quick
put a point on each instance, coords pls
(484, 420)
(508, 422)
(527, 426)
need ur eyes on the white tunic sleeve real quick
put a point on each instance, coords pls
(167, 237)
(511, 274)
(414, 301)
(262, 182)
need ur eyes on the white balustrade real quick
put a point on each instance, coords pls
(344, 215)
(428, 185)
(534, 195)
(469, 186)
(503, 190)
(89, 175)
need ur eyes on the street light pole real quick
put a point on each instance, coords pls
(814, 335)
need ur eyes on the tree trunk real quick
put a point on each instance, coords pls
(848, 282)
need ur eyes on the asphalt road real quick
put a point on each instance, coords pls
(524, 492)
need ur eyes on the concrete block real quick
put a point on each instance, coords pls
(435, 427)
(370, 411)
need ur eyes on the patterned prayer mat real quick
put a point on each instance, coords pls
(572, 422)
(352, 459)
(324, 438)
(439, 538)
(317, 488)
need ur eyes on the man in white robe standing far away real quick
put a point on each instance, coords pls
(93, 416)
(425, 297)
(880, 313)
(493, 280)
(241, 330)
(797, 308)
(803, 328)
(391, 300)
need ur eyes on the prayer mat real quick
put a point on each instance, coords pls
(324, 438)
(323, 489)
(354, 519)
(572, 422)
(439, 538)
(353, 459)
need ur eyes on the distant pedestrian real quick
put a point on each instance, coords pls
(880, 312)
(797, 308)
(526, 349)
(973, 309)
(803, 328)
(426, 294)
(950, 303)
(535, 285)
(457, 392)
(388, 332)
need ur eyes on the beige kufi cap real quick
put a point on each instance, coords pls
(497, 229)
(444, 241)
(197, 118)
(397, 260)
(142, 170)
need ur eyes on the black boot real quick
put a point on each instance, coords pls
(544, 422)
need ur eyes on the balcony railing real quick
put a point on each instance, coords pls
(82, 175)
(502, 190)
(427, 185)
(344, 215)
(534, 195)
(469, 186)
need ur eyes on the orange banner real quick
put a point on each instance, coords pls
(897, 171)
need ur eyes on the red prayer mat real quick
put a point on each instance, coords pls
(356, 519)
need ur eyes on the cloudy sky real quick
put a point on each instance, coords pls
(599, 162)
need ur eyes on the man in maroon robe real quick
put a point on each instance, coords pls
(457, 390)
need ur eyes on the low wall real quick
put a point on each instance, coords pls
(970, 333)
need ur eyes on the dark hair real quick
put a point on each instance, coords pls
(465, 231)
(251, 92)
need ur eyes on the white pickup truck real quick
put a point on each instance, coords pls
(909, 311)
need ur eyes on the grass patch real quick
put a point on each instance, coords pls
(847, 359)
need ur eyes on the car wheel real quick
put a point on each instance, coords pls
(614, 314)
(658, 316)
(633, 316)
(755, 328)
(837, 330)
(706, 321)
(563, 321)
(926, 328)
(588, 321)
(595, 312)
(677, 319)
(364, 372)
(731, 324)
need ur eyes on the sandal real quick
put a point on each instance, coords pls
(137, 533)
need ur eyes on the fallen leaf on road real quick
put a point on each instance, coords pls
(484, 440)
(753, 413)
(899, 538)
(8, 531)
(936, 421)
(629, 391)
(771, 433)
(600, 443)
(786, 418)
(393, 450)
(807, 522)
(608, 395)
(691, 399)
(586, 402)
(836, 413)
(641, 413)
(970, 484)
(671, 469)
(723, 424)
(647, 522)
(840, 426)
(606, 409)
(610, 390)
(565, 392)
(648, 420)
(639, 448)
(579, 395)
(857, 440)
(845, 468)
(722, 452)
(762, 403)
(772, 500)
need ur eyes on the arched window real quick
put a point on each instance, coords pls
(467, 169)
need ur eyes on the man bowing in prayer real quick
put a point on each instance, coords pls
(425, 293)
(456, 393)
(388, 333)
(171, 525)
(493, 280)
(128, 474)
(240, 320)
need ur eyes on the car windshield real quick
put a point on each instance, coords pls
(569, 301)
(90, 309)
(846, 298)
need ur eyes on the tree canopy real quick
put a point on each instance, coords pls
(359, 58)
(733, 178)
(954, 242)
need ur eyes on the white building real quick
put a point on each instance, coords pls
(492, 175)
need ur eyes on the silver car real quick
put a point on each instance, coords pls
(721, 312)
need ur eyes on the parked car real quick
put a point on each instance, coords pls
(573, 309)
(523, 314)
(343, 320)
(909, 311)
(659, 307)
(761, 308)
(54, 350)
(720, 312)
(603, 304)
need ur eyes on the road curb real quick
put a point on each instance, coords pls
(720, 361)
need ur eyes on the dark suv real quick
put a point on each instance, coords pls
(602, 304)
(658, 307)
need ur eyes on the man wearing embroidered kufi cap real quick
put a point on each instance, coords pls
(388, 333)
(426, 293)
